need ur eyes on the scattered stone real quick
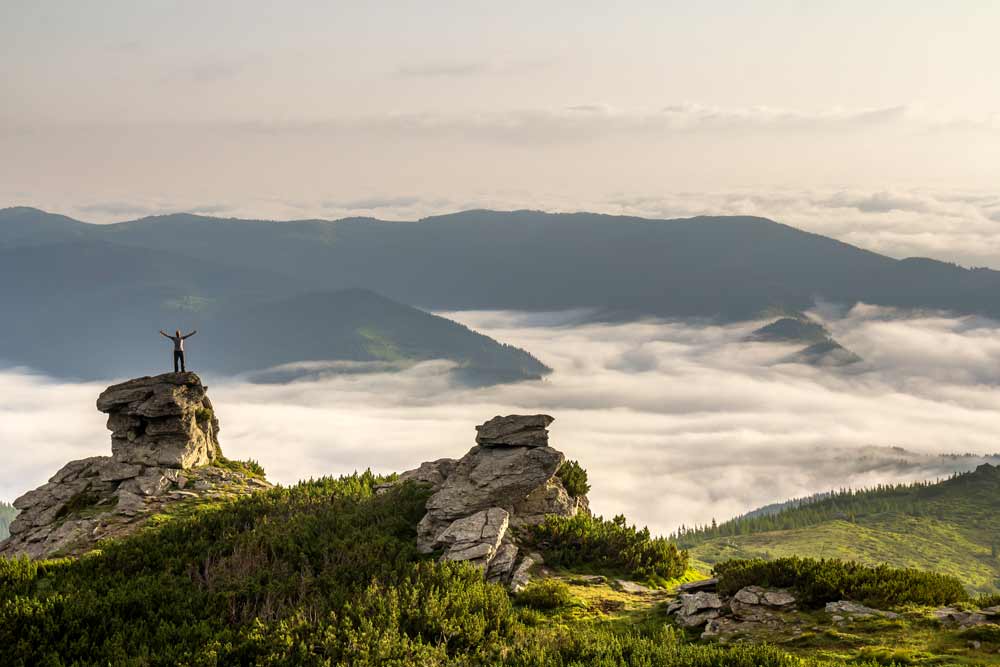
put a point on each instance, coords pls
(521, 575)
(631, 587)
(703, 585)
(589, 580)
(963, 619)
(515, 431)
(698, 608)
(854, 610)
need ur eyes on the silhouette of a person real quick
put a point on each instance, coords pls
(178, 347)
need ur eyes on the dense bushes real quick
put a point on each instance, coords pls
(574, 478)
(325, 573)
(596, 543)
(820, 581)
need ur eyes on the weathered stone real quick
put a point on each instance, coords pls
(493, 477)
(703, 585)
(515, 431)
(430, 472)
(855, 610)
(164, 434)
(698, 608)
(631, 586)
(474, 538)
(503, 563)
(161, 421)
(116, 471)
(521, 575)
(550, 498)
(963, 619)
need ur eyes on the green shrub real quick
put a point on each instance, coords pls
(249, 467)
(817, 582)
(984, 633)
(574, 478)
(546, 594)
(983, 601)
(607, 545)
(203, 414)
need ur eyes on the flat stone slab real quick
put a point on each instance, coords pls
(515, 431)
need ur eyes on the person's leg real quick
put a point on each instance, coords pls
(183, 369)
(177, 356)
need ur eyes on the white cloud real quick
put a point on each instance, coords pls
(676, 422)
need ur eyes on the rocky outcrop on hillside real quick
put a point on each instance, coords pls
(165, 450)
(504, 484)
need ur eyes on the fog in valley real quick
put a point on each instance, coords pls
(676, 422)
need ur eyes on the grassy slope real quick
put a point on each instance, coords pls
(948, 527)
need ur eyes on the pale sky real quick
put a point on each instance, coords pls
(878, 123)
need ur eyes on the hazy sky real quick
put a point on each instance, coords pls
(118, 109)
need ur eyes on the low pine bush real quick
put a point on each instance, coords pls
(574, 478)
(820, 581)
(546, 594)
(599, 544)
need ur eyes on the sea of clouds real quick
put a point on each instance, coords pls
(676, 422)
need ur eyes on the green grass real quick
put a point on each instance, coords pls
(950, 527)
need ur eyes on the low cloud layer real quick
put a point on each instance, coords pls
(676, 422)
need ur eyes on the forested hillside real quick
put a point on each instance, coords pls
(623, 267)
(951, 526)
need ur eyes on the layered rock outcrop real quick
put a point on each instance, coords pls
(165, 450)
(505, 483)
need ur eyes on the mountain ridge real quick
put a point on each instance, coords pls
(728, 268)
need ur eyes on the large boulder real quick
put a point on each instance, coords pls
(515, 431)
(164, 444)
(505, 483)
(166, 421)
(493, 477)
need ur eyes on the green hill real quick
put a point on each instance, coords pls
(93, 309)
(820, 347)
(951, 527)
(733, 268)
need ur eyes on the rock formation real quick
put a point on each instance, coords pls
(505, 483)
(165, 449)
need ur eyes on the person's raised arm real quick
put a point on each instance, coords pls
(190, 334)
(164, 333)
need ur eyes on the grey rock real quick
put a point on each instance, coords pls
(846, 608)
(703, 585)
(696, 609)
(163, 435)
(502, 564)
(430, 472)
(522, 575)
(963, 619)
(550, 498)
(116, 471)
(493, 477)
(515, 431)
(631, 586)
(164, 420)
(474, 538)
